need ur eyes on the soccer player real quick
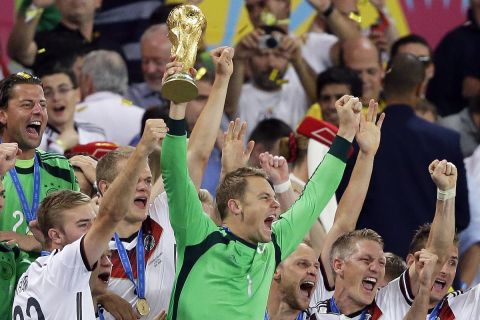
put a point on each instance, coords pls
(23, 117)
(56, 285)
(227, 271)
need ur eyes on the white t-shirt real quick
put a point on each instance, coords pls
(288, 104)
(56, 287)
(395, 299)
(316, 50)
(159, 242)
(120, 119)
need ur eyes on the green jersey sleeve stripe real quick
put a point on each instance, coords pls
(191, 256)
(278, 251)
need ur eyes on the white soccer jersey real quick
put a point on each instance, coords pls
(159, 242)
(323, 291)
(395, 299)
(56, 287)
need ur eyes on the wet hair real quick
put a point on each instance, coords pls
(420, 238)
(234, 185)
(7, 84)
(107, 166)
(344, 246)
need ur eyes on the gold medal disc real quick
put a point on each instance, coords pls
(143, 307)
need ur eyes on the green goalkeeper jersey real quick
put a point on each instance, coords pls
(56, 173)
(218, 274)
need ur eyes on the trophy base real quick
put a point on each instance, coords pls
(179, 87)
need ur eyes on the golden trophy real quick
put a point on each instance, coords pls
(186, 24)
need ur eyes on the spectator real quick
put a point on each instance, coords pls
(23, 118)
(73, 35)
(407, 139)
(332, 84)
(457, 74)
(62, 132)
(155, 52)
(394, 267)
(363, 57)
(467, 123)
(266, 136)
(103, 82)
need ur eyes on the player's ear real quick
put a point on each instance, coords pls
(234, 206)
(338, 265)
(55, 236)
(277, 275)
(410, 259)
(102, 187)
(3, 116)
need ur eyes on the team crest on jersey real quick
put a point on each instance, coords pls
(149, 242)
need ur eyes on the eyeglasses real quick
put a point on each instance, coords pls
(50, 92)
(329, 97)
(426, 60)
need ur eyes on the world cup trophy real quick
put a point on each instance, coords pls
(186, 24)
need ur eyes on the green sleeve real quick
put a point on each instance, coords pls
(190, 224)
(294, 224)
(75, 185)
(22, 261)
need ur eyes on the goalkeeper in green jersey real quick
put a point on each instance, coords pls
(23, 118)
(226, 271)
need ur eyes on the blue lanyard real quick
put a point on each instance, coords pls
(44, 253)
(140, 251)
(334, 308)
(434, 314)
(299, 316)
(30, 214)
(100, 313)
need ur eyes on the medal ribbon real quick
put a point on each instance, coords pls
(140, 252)
(29, 213)
(436, 311)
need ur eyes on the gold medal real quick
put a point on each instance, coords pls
(143, 307)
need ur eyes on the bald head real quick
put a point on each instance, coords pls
(362, 56)
(155, 47)
(405, 76)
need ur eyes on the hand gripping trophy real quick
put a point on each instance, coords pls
(186, 24)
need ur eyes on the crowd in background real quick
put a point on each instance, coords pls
(347, 158)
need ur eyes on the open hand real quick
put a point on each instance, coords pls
(234, 154)
(368, 135)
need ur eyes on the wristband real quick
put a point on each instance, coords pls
(446, 194)
(329, 10)
(282, 187)
(32, 12)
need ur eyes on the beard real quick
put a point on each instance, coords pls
(262, 80)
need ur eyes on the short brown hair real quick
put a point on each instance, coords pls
(107, 166)
(49, 214)
(420, 238)
(394, 266)
(233, 186)
(344, 247)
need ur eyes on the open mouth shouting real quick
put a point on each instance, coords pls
(439, 284)
(33, 129)
(58, 110)
(369, 283)
(104, 277)
(306, 288)
(140, 202)
(269, 221)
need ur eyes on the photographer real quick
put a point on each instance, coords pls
(275, 89)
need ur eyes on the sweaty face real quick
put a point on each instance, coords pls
(365, 61)
(101, 274)
(155, 55)
(76, 222)
(361, 273)
(61, 99)
(297, 277)
(195, 107)
(444, 279)
(25, 117)
(327, 98)
(259, 210)
(263, 62)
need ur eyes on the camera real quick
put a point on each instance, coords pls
(269, 41)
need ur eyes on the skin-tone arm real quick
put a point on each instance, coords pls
(204, 133)
(292, 48)
(444, 175)
(113, 206)
(234, 154)
(350, 205)
(21, 45)
(8, 156)
(242, 51)
(337, 22)
(426, 262)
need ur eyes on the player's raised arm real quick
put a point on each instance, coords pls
(115, 202)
